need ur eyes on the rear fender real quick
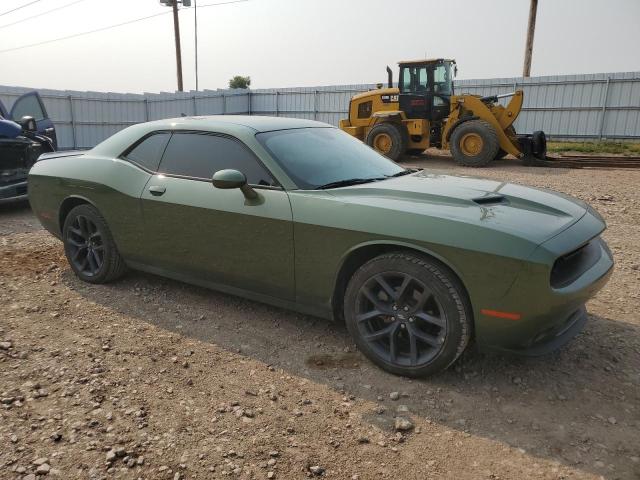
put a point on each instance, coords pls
(387, 116)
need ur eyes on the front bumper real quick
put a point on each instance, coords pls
(549, 317)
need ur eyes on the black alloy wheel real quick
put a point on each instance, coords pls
(89, 246)
(86, 246)
(408, 313)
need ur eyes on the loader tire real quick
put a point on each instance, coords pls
(389, 139)
(474, 143)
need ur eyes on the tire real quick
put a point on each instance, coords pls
(501, 154)
(474, 143)
(396, 135)
(438, 314)
(89, 246)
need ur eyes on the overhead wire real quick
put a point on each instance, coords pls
(18, 8)
(129, 22)
(41, 14)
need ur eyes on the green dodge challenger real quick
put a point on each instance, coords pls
(301, 215)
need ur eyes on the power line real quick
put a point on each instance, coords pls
(107, 28)
(222, 3)
(41, 14)
(18, 8)
(82, 33)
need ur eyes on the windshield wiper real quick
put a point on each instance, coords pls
(403, 172)
(349, 181)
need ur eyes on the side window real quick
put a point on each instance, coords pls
(200, 155)
(28, 106)
(405, 85)
(149, 151)
(364, 109)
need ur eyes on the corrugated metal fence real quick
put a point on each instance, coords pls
(566, 107)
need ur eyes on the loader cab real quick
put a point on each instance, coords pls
(426, 87)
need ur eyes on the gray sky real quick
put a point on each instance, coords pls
(286, 43)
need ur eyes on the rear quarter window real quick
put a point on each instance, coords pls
(148, 152)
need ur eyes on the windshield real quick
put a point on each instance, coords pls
(316, 157)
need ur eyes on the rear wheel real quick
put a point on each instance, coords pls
(474, 143)
(389, 139)
(89, 246)
(407, 314)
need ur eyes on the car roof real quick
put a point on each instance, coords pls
(255, 122)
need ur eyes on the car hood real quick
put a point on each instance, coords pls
(525, 212)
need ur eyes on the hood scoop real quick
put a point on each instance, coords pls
(490, 199)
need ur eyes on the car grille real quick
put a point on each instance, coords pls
(568, 268)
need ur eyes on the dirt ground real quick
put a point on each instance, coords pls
(150, 378)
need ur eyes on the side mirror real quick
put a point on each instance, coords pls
(227, 179)
(28, 124)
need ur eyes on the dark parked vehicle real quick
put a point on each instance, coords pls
(302, 215)
(25, 133)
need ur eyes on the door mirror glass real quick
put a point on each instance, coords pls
(28, 124)
(229, 178)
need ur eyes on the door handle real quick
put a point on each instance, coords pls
(157, 190)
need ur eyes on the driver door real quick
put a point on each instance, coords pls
(30, 104)
(414, 92)
(195, 231)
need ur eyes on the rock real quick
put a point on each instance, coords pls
(612, 420)
(177, 476)
(402, 409)
(111, 456)
(394, 396)
(40, 461)
(271, 475)
(5, 345)
(43, 469)
(271, 462)
(403, 424)
(274, 453)
(517, 380)
(316, 470)
(31, 476)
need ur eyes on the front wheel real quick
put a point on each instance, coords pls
(89, 246)
(474, 143)
(407, 314)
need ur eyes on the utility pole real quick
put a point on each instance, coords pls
(176, 30)
(195, 22)
(528, 49)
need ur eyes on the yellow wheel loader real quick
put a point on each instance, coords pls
(424, 112)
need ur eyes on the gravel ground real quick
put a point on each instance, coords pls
(150, 378)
